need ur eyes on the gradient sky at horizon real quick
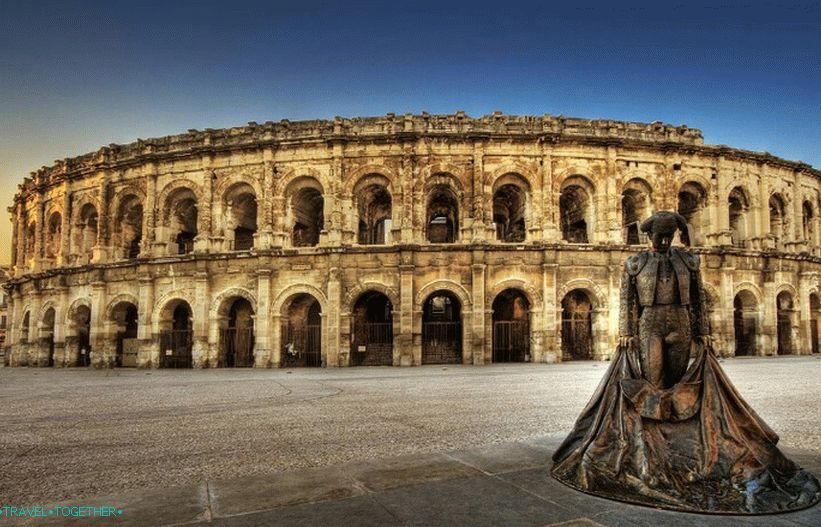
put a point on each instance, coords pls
(79, 75)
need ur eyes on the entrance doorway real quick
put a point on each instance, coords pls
(442, 329)
(511, 327)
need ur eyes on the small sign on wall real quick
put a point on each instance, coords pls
(362, 349)
(169, 352)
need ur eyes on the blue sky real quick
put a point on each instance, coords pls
(78, 75)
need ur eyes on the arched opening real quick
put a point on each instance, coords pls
(815, 320)
(29, 244)
(307, 210)
(577, 326)
(576, 210)
(806, 221)
(778, 226)
(128, 229)
(374, 207)
(442, 215)
(302, 333)
(509, 213)
(785, 311)
(237, 337)
(176, 335)
(738, 205)
(182, 221)
(53, 236)
(81, 320)
(25, 328)
(372, 332)
(47, 336)
(85, 234)
(511, 327)
(635, 208)
(745, 322)
(240, 206)
(124, 318)
(442, 329)
(692, 201)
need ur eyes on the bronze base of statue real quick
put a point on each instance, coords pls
(696, 446)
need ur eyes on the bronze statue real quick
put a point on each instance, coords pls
(663, 431)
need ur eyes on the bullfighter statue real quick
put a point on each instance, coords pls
(663, 431)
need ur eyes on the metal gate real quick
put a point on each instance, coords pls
(577, 337)
(784, 334)
(83, 350)
(127, 348)
(175, 348)
(442, 343)
(372, 344)
(301, 345)
(237, 347)
(511, 341)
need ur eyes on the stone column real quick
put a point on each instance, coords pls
(768, 340)
(330, 320)
(39, 231)
(482, 347)
(149, 354)
(552, 231)
(100, 251)
(13, 345)
(100, 355)
(262, 330)
(64, 355)
(204, 212)
(149, 241)
(806, 281)
(405, 218)
(482, 221)
(65, 228)
(34, 356)
(552, 352)
(612, 202)
(767, 242)
(265, 204)
(202, 301)
(19, 242)
(405, 339)
(723, 321)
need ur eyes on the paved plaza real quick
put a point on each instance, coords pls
(75, 434)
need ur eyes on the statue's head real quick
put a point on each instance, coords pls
(662, 226)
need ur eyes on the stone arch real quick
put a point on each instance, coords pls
(361, 288)
(577, 210)
(442, 224)
(122, 194)
(53, 234)
(789, 288)
(373, 212)
(238, 210)
(453, 173)
(171, 188)
(72, 310)
(514, 171)
(304, 210)
(227, 181)
(512, 207)
(739, 204)
(49, 304)
(368, 174)
(778, 217)
(26, 332)
(293, 176)
(165, 304)
(284, 296)
(219, 307)
(752, 288)
(596, 293)
(119, 299)
(443, 285)
(636, 206)
(532, 294)
(693, 199)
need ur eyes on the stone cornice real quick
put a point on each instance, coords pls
(398, 128)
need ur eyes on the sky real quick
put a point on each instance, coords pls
(75, 76)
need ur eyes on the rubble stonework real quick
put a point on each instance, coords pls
(402, 240)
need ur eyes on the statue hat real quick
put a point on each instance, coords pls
(666, 222)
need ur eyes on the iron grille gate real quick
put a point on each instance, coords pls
(301, 345)
(237, 347)
(442, 342)
(175, 348)
(511, 341)
(83, 350)
(577, 337)
(372, 344)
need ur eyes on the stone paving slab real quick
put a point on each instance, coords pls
(506, 484)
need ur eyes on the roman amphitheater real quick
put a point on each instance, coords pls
(398, 240)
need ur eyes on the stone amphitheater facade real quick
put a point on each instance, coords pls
(398, 240)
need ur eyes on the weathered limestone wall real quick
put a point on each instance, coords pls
(107, 229)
